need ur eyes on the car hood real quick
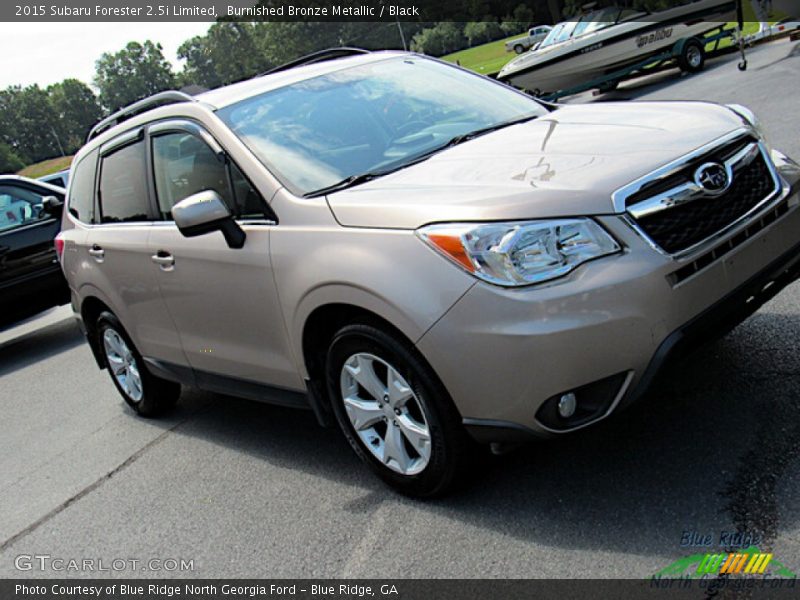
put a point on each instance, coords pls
(566, 163)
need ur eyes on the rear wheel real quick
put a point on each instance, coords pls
(147, 394)
(519, 48)
(394, 412)
(692, 58)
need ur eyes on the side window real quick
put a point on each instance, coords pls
(81, 196)
(183, 165)
(123, 190)
(19, 207)
(248, 202)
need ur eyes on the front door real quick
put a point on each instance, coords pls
(223, 300)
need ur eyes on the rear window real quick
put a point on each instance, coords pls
(81, 194)
(123, 189)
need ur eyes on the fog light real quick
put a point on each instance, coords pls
(566, 405)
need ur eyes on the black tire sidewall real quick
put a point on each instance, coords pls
(443, 425)
(684, 57)
(158, 395)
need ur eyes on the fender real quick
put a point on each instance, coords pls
(353, 295)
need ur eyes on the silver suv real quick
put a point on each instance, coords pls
(425, 256)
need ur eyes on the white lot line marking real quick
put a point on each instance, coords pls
(366, 549)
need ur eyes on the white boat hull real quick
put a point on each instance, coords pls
(577, 61)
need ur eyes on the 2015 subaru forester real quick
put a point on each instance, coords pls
(425, 256)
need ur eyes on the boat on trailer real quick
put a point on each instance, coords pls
(610, 40)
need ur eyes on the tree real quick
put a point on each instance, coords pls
(28, 123)
(76, 109)
(9, 161)
(442, 38)
(133, 73)
(480, 32)
(227, 53)
(518, 21)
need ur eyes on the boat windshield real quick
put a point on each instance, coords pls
(559, 33)
(588, 23)
(595, 21)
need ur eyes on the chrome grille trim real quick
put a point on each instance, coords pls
(690, 191)
(620, 197)
(656, 204)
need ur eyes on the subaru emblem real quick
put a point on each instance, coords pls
(713, 178)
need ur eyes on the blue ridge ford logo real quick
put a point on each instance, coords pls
(713, 178)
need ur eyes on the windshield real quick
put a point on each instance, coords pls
(559, 33)
(368, 119)
(596, 21)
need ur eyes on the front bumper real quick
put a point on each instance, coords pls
(503, 353)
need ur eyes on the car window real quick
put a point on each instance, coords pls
(368, 118)
(183, 165)
(123, 191)
(19, 207)
(81, 195)
(54, 180)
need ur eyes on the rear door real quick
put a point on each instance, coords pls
(115, 249)
(27, 232)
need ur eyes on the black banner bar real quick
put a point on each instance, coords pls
(386, 589)
(312, 10)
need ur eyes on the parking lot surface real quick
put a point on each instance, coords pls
(244, 489)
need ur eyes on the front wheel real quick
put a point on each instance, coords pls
(394, 412)
(145, 393)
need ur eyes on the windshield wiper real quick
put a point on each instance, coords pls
(344, 184)
(353, 180)
(465, 137)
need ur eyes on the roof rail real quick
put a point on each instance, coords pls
(314, 57)
(169, 97)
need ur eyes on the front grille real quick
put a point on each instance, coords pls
(681, 227)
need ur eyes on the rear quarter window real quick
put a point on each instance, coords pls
(81, 195)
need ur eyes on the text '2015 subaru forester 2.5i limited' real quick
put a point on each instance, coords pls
(422, 255)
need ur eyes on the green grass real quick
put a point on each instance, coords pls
(486, 59)
(52, 165)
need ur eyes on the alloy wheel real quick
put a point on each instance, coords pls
(122, 364)
(386, 413)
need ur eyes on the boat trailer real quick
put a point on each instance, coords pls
(653, 64)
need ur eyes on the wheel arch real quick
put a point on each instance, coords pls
(322, 324)
(91, 308)
(318, 331)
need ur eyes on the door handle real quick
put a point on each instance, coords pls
(163, 259)
(97, 253)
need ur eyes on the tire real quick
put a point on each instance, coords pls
(519, 49)
(145, 393)
(390, 438)
(608, 87)
(692, 58)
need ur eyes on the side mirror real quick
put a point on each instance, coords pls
(205, 212)
(52, 206)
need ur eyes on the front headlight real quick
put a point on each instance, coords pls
(520, 253)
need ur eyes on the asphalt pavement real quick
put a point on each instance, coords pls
(245, 489)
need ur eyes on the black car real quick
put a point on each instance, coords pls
(30, 274)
